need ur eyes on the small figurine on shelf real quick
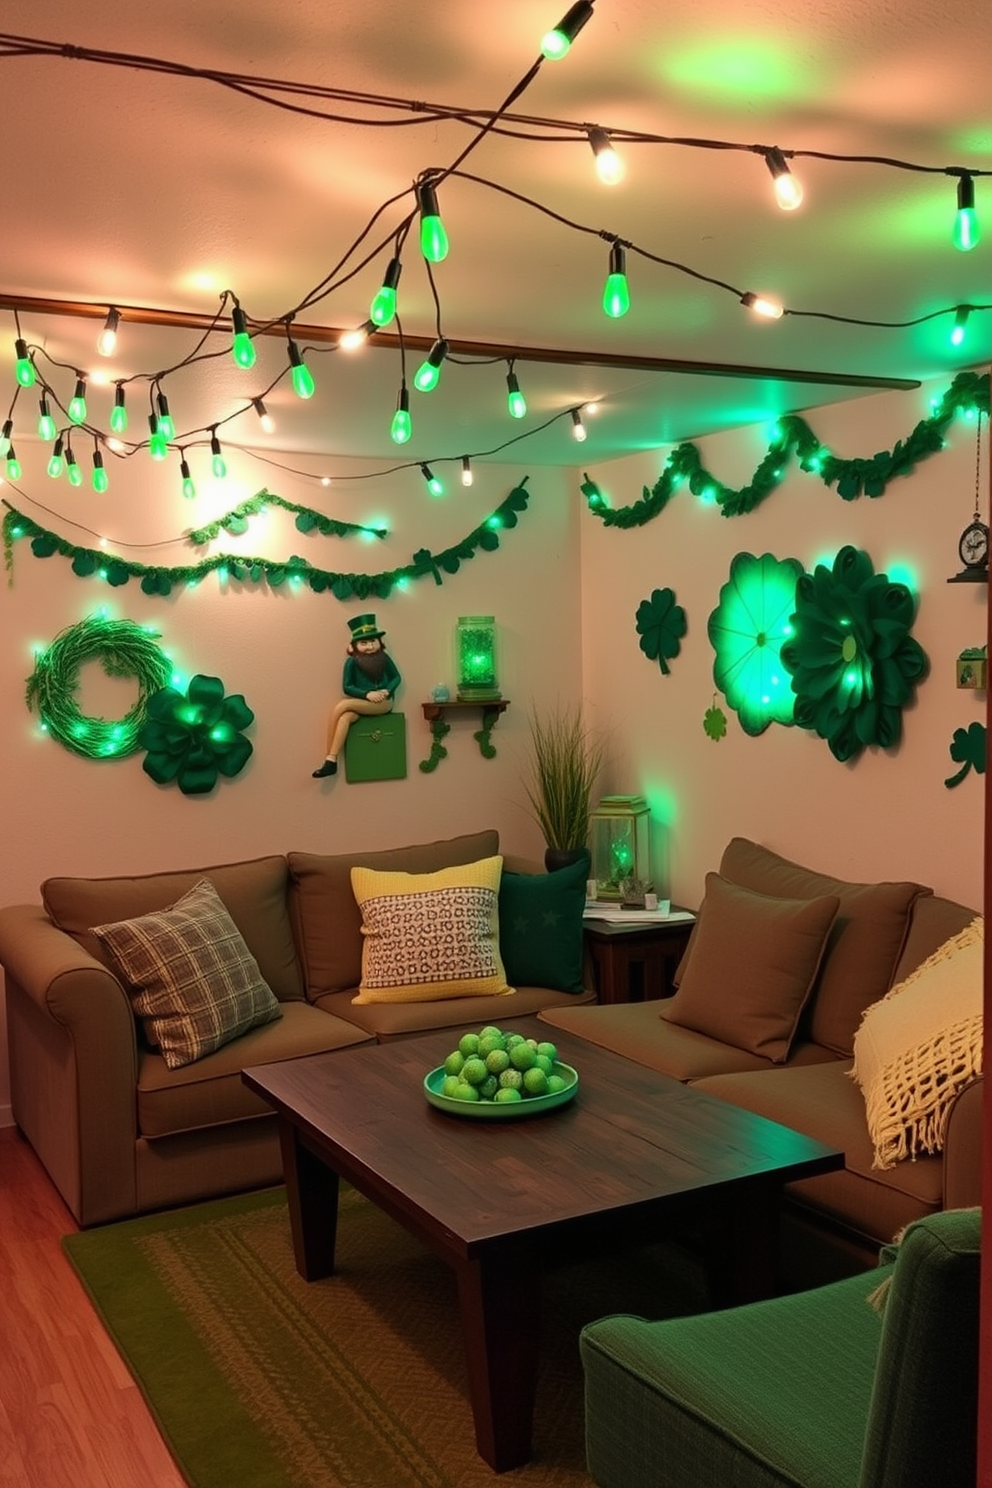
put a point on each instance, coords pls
(369, 682)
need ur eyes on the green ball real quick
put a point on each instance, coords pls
(466, 1093)
(535, 1081)
(489, 1087)
(497, 1061)
(468, 1044)
(507, 1095)
(474, 1070)
(522, 1056)
(450, 1086)
(511, 1079)
(453, 1063)
(490, 1032)
(548, 1050)
(542, 1062)
(555, 1083)
(489, 1044)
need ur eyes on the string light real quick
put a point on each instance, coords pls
(302, 378)
(24, 368)
(13, 465)
(616, 295)
(5, 434)
(960, 325)
(189, 489)
(265, 418)
(515, 400)
(218, 464)
(966, 232)
(788, 191)
(242, 346)
(72, 469)
(118, 414)
(356, 339)
(158, 445)
(609, 166)
(466, 471)
(433, 484)
(106, 342)
(56, 464)
(383, 306)
(428, 374)
(77, 403)
(433, 237)
(557, 42)
(578, 427)
(763, 306)
(100, 479)
(163, 419)
(402, 425)
(46, 424)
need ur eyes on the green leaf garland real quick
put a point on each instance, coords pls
(155, 579)
(235, 522)
(868, 476)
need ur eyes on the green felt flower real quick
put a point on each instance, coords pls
(193, 737)
(661, 624)
(853, 662)
(747, 630)
(968, 749)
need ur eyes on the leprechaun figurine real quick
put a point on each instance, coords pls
(369, 682)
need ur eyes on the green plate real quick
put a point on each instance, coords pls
(534, 1105)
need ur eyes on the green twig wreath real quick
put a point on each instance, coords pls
(124, 649)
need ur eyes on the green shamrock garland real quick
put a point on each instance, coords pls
(853, 662)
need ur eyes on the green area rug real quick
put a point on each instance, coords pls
(260, 1380)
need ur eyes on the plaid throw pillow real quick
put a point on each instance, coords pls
(189, 975)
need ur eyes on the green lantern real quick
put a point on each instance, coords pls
(747, 631)
(475, 658)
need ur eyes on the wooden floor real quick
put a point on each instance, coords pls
(70, 1414)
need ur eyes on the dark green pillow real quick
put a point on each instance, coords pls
(540, 927)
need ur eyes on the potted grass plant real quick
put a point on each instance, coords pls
(565, 760)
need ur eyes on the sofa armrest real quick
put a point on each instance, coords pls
(963, 1150)
(73, 1063)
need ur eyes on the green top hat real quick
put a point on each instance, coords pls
(364, 628)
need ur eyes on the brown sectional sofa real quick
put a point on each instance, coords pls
(118, 1131)
(836, 1223)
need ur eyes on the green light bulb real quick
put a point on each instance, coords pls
(118, 414)
(402, 426)
(77, 403)
(56, 464)
(23, 367)
(554, 45)
(75, 474)
(165, 426)
(303, 383)
(219, 466)
(100, 478)
(426, 377)
(13, 466)
(189, 489)
(242, 346)
(158, 446)
(383, 306)
(433, 239)
(616, 296)
(515, 400)
(435, 487)
(46, 424)
(966, 233)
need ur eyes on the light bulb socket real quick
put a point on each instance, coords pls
(512, 384)
(574, 19)
(184, 469)
(466, 471)
(80, 388)
(7, 430)
(153, 422)
(21, 349)
(119, 396)
(214, 444)
(578, 427)
(239, 320)
(966, 193)
(97, 460)
(427, 472)
(403, 400)
(426, 198)
(391, 278)
(438, 352)
(295, 356)
(618, 259)
(162, 403)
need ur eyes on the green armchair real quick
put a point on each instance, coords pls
(820, 1389)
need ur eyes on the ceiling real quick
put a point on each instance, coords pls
(143, 187)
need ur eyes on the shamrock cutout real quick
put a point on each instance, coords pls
(661, 624)
(968, 749)
(714, 723)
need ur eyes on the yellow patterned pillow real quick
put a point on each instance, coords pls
(429, 936)
(919, 1046)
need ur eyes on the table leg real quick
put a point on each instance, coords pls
(744, 1263)
(312, 1196)
(499, 1297)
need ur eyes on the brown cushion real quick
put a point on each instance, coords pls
(189, 975)
(865, 943)
(752, 967)
(254, 894)
(328, 922)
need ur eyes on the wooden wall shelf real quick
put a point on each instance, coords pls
(435, 714)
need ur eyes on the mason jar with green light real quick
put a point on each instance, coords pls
(618, 830)
(475, 658)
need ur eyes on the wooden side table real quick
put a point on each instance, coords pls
(635, 962)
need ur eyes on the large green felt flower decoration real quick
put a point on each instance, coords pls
(193, 737)
(661, 625)
(853, 662)
(747, 630)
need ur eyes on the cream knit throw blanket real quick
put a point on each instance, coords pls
(918, 1046)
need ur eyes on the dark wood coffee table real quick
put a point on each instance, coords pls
(630, 1159)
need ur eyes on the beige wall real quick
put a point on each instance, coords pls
(887, 815)
(284, 651)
